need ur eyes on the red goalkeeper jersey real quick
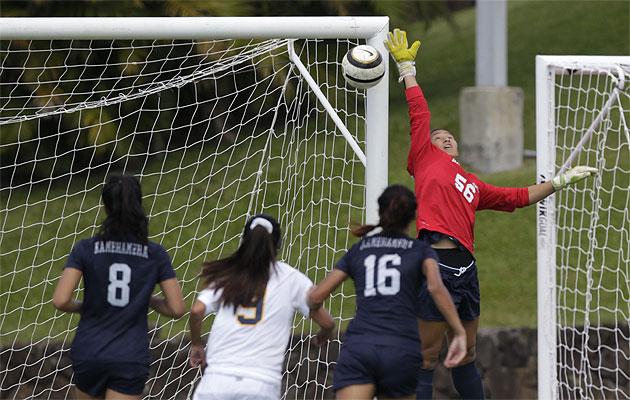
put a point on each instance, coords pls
(448, 196)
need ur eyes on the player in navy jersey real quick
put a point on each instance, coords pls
(448, 198)
(381, 352)
(120, 268)
(254, 297)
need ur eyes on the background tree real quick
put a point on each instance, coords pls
(57, 86)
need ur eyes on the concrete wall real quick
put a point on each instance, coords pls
(491, 128)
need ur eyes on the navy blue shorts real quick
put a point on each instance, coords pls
(459, 274)
(94, 377)
(392, 369)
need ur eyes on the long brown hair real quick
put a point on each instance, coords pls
(243, 275)
(396, 208)
(122, 197)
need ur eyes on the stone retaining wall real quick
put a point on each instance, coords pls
(506, 359)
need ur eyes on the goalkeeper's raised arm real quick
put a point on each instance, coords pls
(448, 198)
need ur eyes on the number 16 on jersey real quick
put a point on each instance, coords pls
(378, 269)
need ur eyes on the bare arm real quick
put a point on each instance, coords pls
(410, 81)
(62, 299)
(539, 192)
(172, 304)
(197, 354)
(443, 301)
(318, 293)
(326, 324)
(316, 296)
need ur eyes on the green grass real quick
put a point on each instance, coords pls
(198, 198)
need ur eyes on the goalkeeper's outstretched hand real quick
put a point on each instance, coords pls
(402, 53)
(573, 175)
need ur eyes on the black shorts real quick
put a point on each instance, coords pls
(459, 274)
(392, 369)
(94, 377)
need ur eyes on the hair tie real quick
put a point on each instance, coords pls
(265, 223)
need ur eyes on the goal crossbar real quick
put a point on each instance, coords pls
(96, 28)
(372, 29)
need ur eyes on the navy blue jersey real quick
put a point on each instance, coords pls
(119, 278)
(387, 273)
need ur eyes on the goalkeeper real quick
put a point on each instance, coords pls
(448, 198)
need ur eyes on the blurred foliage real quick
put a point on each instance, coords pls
(125, 8)
(400, 12)
(49, 85)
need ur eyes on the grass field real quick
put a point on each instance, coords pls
(506, 243)
(198, 194)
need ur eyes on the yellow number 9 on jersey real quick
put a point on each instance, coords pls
(251, 314)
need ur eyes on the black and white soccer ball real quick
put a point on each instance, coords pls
(363, 67)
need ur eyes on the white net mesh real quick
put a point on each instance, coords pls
(593, 233)
(216, 131)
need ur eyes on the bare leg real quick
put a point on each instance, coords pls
(471, 340)
(84, 396)
(114, 395)
(357, 392)
(466, 377)
(432, 337)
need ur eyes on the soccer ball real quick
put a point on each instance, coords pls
(363, 67)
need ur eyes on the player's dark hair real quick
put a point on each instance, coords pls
(396, 208)
(122, 197)
(243, 275)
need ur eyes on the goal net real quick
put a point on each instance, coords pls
(583, 110)
(216, 130)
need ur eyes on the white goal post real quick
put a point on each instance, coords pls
(219, 118)
(582, 115)
(371, 29)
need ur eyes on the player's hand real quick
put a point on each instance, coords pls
(402, 53)
(456, 351)
(322, 337)
(573, 175)
(399, 47)
(197, 356)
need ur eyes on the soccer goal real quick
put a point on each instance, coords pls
(220, 118)
(582, 115)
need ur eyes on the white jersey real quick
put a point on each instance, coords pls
(252, 341)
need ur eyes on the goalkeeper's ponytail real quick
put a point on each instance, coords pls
(396, 208)
(122, 197)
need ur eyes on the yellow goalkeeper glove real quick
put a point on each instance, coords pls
(573, 175)
(402, 53)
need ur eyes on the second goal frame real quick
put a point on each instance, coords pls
(582, 114)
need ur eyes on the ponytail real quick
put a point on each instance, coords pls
(363, 230)
(243, 276)
(122, 197)
(396, 207)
